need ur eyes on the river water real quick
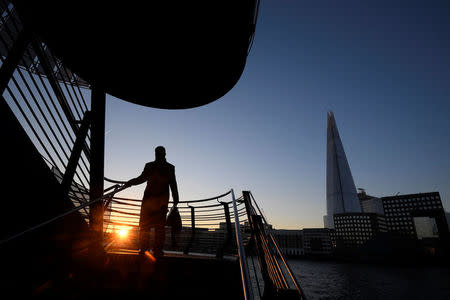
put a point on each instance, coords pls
(335, 280)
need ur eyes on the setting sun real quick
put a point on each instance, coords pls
(123, 232)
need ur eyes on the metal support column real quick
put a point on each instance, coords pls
(97, 161)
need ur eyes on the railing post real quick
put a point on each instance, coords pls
(221, 249)
(193, 217)
(247, 203)
(188, 246)
(245, 275)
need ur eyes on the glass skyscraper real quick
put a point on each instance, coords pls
(341, 191)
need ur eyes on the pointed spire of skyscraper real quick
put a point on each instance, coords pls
(341, 191)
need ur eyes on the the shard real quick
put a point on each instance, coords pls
(341, 191)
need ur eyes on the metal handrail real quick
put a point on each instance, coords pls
(181, 201)
(297, 285)
(114, 181)
(277, 274)
(245, 275)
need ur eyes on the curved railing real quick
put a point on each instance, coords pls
(208, 225)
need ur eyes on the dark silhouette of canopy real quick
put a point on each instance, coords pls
(164, 54)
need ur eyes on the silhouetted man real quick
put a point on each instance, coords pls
(160, 175)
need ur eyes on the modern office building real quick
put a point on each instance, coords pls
(341, 190)
(290, 241)
(370, 204)
(405, 212)
(352, 230)
(317, 241)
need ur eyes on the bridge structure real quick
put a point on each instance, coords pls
(62, 219)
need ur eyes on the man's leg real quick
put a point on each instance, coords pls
(143, 240)
(160, 236)
(160, 231)
(144, 233)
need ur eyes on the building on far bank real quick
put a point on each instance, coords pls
(405, 212)
(353, 230)
(317, 241)
(290, 241)
(308, 241)
(370, 204)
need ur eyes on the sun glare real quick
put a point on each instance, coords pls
(123, 232)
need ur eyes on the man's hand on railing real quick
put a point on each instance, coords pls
(126, 185)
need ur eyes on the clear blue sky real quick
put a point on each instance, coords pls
(383, 67)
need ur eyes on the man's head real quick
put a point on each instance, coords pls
(160, 153)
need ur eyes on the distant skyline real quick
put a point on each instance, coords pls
(383, 68)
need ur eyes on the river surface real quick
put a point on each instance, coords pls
(335, 280)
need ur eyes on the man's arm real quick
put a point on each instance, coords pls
(174, 188)
(138, 180)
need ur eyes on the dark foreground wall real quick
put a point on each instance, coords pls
(30, 195)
